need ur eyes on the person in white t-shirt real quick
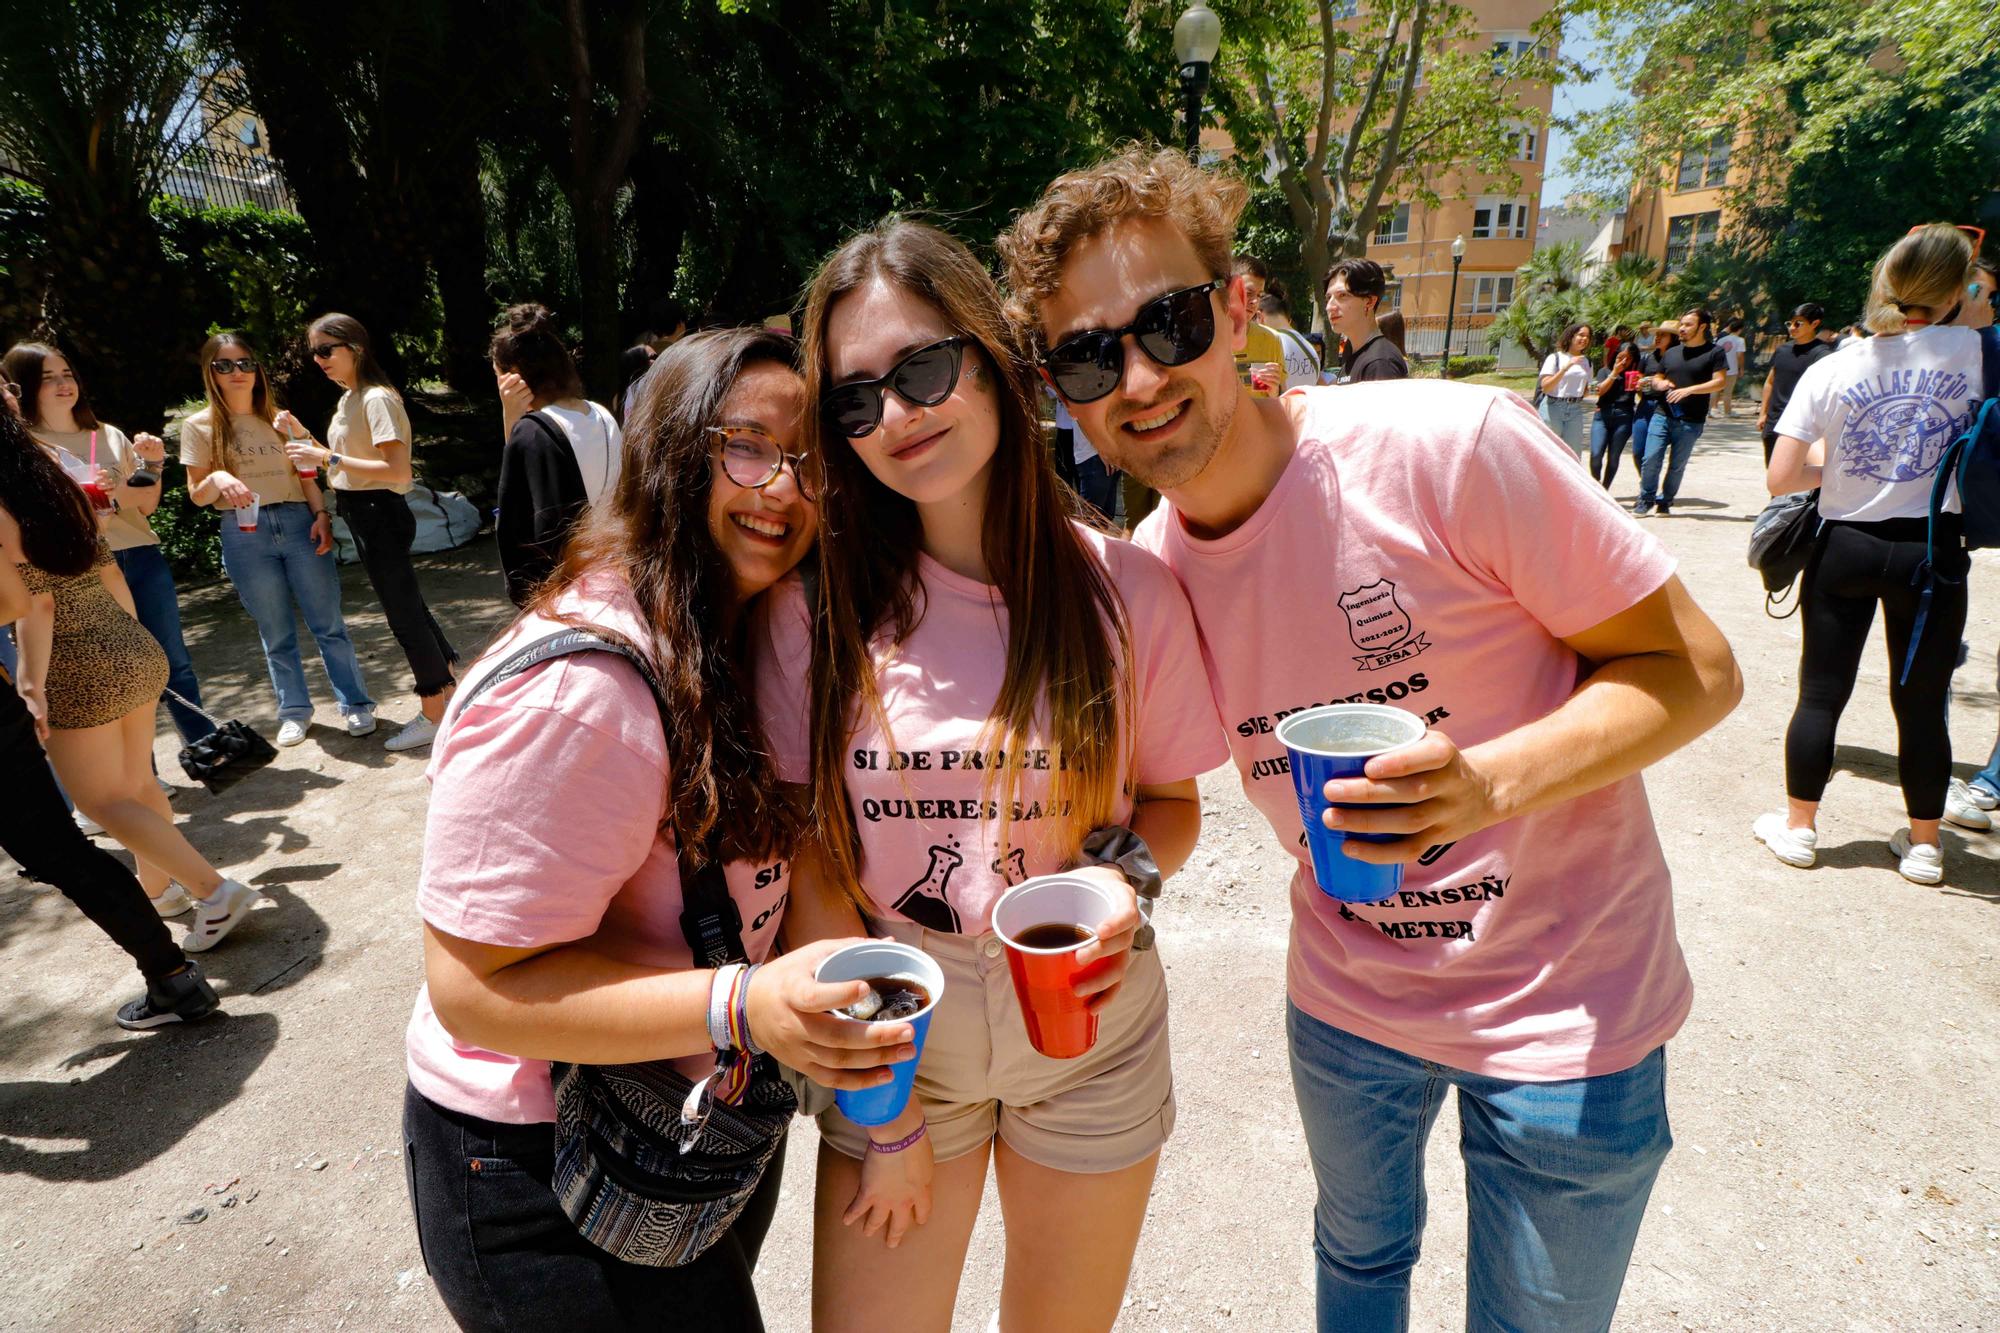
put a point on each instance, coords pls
(1886, 408)
(1565, 382)
(1302, 365)
(1735, 349)
(563, 452)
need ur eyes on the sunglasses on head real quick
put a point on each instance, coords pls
(753, 459)
(223, 365)
(1977, 235)
(1172, 329)
(924, 378)
(324, 351)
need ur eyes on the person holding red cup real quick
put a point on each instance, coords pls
(999, 691)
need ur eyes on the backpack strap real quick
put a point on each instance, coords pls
(711, 923)
(1951, 467)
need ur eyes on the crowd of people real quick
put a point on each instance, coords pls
(813, 627)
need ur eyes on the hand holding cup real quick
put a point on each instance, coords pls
(789, 1011)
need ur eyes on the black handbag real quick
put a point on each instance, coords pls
(651, 1166)
(1781, 545)
(221, 759)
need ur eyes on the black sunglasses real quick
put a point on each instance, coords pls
(222, 365)
(324, 351)
(924, 378)
(1173, 330)
(753, 460)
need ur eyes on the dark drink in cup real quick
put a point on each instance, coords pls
(1043, 922)
(898, 976)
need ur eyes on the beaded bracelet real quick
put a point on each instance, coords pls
(721, 985)
(907, 1141)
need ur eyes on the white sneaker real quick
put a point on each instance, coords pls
(358, 724)
(173, 902)
(1794, 846)
(418, 732)
(216, 915)
(1981, 797)
(1918, 862)
(1962, 808)
(291, 731)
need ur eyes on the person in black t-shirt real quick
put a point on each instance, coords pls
(1788, 363)
(1617, 395)
(1652, 346)
(1353, 291)
(1689, 375)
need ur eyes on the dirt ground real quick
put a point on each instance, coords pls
(1835, 1094)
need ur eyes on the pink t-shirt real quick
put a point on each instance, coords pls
(547, 793)
(1428, 546)
(930, 837)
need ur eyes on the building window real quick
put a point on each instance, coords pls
(1499, 219)
(1393, 226)
(1491, 293)
(246, 134)
(1685, 235)
(1705, 166)
(1509, 46)
(1392, 296)
(1524, 140)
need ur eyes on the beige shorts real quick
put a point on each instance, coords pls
(1108, 1109)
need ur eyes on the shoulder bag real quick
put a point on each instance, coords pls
(652, 1166)
(226, 754)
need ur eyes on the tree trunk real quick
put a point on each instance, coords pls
(459, 257)
(113, 298)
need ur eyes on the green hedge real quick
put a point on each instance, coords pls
(1462, 366)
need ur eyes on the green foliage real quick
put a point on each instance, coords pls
(243, 268)
(190, 537)
(1465, 366)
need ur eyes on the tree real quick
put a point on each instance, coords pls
(98, 100)
(1341, 120)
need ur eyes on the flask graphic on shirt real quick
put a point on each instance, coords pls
(1013, 867)
(924, 902)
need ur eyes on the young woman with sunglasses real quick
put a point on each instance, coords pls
(35, 827)
(552, 923)
(367, 457)
(57, 410)
(235, 459)
(1879, 540)
(92, 676)
(996, 688)
(562, 449)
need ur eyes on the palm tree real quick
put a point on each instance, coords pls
(1632, 264)
(1612, 299)
(1554, 268)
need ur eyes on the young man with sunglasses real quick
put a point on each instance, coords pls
(1433, 547)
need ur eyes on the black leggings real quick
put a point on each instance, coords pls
(1855, 566)
(505, 1256)
(383, 529)
(36, 830)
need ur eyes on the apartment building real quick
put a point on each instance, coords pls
(1688, 206)
(1497, 218)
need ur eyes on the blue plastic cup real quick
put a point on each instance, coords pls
(1337, 741)
(866, 962)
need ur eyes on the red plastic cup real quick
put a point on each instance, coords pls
(1060, 1025)
(1631, 380)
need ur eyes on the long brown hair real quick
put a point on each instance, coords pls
(58, 529)
(1066, 627)
(220, 428)
(653, 532)
(23, 365)
(347, 329)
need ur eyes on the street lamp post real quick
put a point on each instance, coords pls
(1197, 37)
(1451, 306)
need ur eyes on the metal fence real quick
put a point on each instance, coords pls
(211, 177)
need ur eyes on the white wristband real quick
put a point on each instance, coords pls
(719, 987)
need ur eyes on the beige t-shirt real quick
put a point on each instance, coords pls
(255, 456)
(128, 527)
(364, 420)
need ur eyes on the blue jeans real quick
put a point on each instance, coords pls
(1565, 418)
(159, 606)
(274, 569)
(1608, 433)
(1556, 1180)
(1098, 485)
(1666, 435)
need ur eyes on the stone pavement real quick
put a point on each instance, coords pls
(1834, 1093)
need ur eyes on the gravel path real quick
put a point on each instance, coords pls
(1835, 1094)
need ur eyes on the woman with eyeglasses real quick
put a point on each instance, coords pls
(562, 449)
(122, 477)
(999, 692)
(1886, 408)
(91, 677)
(553, 916)
(367, 457)
(282, 564)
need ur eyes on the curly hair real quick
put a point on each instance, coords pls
(58, 529)
(1139, 182)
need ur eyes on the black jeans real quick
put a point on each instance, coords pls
(505, 1256)
(383, 529)
(1854, 566)
(37, 831)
